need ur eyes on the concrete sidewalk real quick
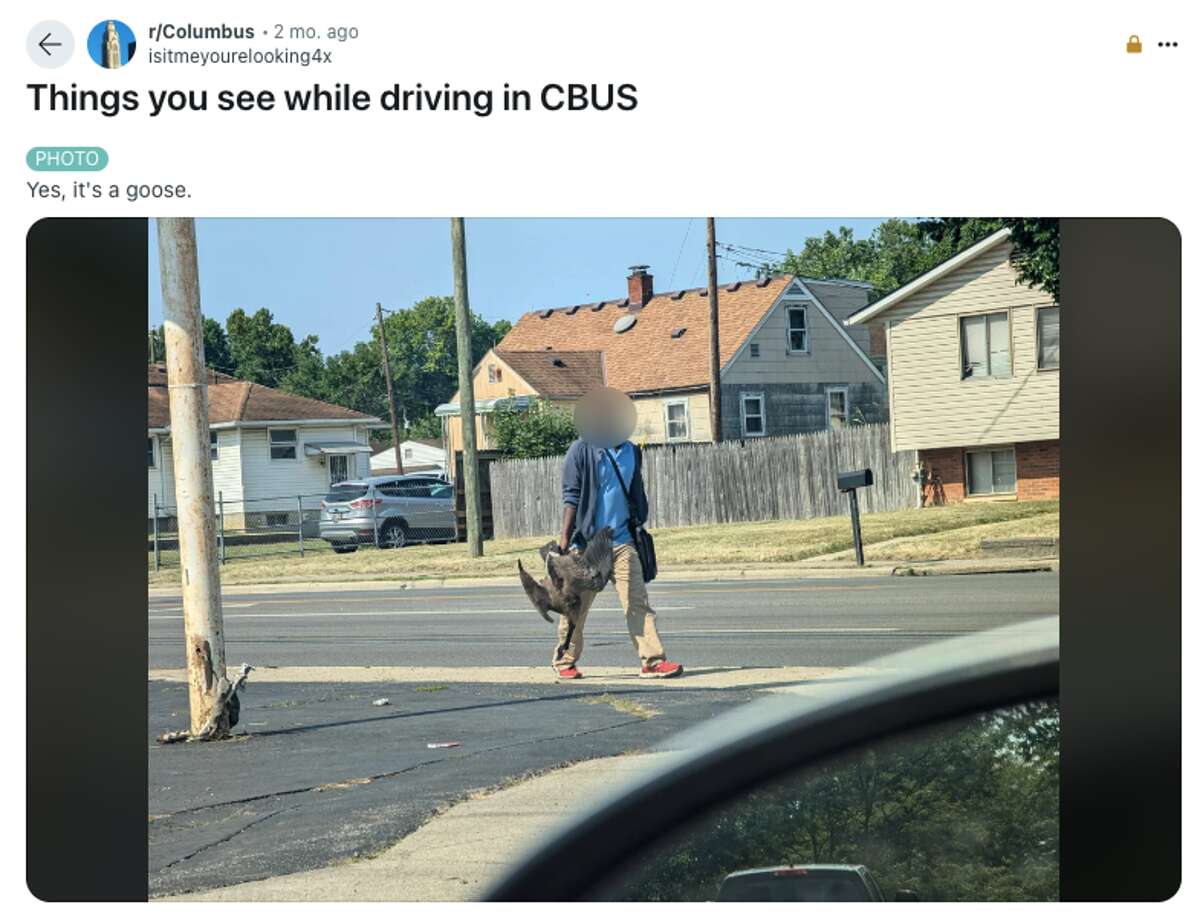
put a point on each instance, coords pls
(456, 854)
(317, 775)
(836, 566)
(541, 675)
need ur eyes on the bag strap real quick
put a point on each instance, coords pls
(621, 480)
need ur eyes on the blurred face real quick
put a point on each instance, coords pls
(605, 417)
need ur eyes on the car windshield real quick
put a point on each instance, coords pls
(794, 887)
(344, 493)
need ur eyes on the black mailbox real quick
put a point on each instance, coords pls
(852, 480)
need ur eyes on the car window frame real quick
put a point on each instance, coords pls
(579, 861)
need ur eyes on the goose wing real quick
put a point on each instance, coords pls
(538, 595)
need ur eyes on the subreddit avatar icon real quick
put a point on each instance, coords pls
(111, 44)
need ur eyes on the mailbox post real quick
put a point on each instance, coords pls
(849, 482)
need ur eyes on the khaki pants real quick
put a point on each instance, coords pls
(639, 616)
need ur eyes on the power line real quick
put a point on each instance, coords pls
(751, 248)
(680, 254)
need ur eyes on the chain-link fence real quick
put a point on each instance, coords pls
(385, 515)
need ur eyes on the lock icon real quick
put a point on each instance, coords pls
(1134, 45)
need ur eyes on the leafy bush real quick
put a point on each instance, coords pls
(538, 432)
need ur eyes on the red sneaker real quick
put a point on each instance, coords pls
(568, 674)
(662, 669)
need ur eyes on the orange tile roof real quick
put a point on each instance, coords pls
(646, 357)
(236, 400)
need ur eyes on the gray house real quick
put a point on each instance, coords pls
(789, 364)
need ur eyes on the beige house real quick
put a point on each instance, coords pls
(972, 360)
(514, 378)
(788, 362)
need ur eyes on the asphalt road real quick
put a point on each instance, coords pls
(820, 622)
(318, 774)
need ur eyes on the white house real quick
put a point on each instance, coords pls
(268, 447)
(416, 454)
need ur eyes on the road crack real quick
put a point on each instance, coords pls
(227, 838)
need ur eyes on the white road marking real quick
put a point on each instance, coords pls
(817, 631)
(438, 613)
(157, 610)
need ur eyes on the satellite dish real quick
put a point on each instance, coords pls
(624, 323)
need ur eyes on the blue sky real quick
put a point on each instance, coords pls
(324, 276)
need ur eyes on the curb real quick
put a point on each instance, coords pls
(1030, 566)
(873, 569)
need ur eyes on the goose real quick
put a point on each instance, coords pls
(570, 576)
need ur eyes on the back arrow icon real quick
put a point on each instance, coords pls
(45, 43)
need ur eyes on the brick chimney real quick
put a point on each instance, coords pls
(641, 286)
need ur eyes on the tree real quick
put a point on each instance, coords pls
(424, 352)
(421, 341)
(427, 427)
(216, 346)
(307, 376)
(898, 251)
(538, 432)
(354, 379)
(261, 349)
(1035, 244)
(1036, 252)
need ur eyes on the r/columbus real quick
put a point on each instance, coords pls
(169, 31)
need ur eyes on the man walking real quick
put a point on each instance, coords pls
(600, 468)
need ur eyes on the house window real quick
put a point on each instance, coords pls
(837, 407)
(677, 420)
(754, 414)
(754, 351)
(991, 471)
(283, 444)
(150, 453)
(276, 519)
(408, 453)
(214, 451)
(493, 373)
(339, 469)
(985, 349)
(1047, 337)
(797, 323)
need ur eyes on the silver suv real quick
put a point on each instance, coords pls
(394, 511)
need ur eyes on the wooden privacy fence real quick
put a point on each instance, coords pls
(742, 480)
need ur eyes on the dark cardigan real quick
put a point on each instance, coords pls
(579, 487)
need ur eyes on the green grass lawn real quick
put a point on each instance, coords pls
(940, 533)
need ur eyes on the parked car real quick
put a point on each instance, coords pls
(939, 749)
(805, 884)
(393, 511)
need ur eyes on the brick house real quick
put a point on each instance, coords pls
(972, 359)
(788, 362)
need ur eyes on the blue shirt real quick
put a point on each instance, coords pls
(612, 509)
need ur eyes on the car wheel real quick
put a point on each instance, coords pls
(345, 548)
(393, 534)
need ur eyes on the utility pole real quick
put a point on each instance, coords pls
(387, 373)
(466, 390)
(183, 340)
(714, 336)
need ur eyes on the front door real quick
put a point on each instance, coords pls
(339, 468)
